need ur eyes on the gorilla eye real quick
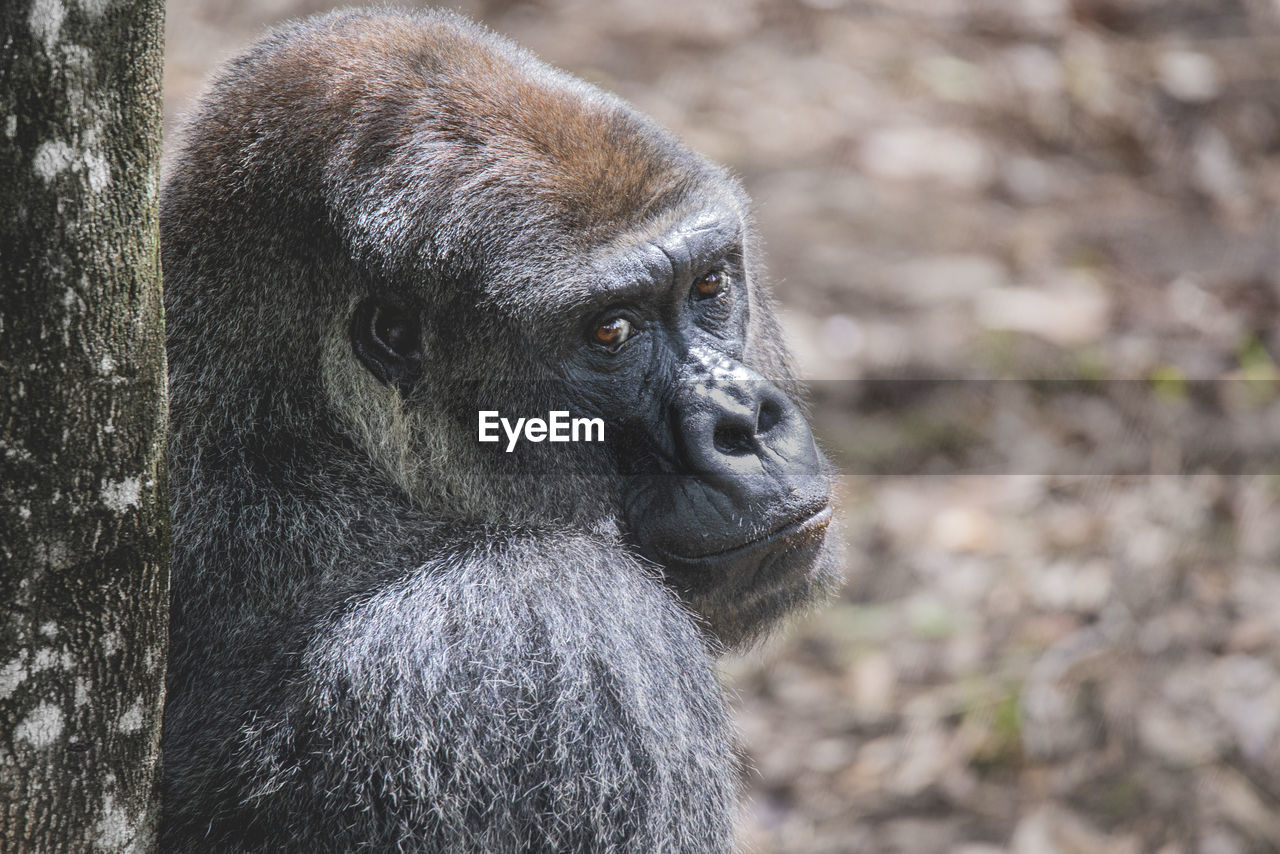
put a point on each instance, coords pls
(387, 339)
(613, 333)
(710, 285)
(397, 333)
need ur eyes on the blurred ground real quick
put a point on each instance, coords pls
(1061, 628)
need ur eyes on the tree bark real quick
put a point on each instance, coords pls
(83, 514)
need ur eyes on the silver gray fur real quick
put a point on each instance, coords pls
(384, 638)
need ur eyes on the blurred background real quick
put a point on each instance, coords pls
(1027, 256)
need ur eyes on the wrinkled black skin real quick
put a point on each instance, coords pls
(386, 635)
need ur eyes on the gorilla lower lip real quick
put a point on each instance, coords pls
(808, 526)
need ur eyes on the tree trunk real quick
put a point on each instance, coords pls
(83, 515)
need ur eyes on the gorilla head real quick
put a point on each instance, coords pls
(378, 226)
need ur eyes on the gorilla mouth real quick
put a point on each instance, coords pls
(791, 534)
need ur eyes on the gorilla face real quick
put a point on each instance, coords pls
(724, 487)
(717, 477)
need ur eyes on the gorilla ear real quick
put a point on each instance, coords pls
(387, 339)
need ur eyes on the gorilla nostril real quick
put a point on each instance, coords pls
(770, 415)
(733, 439)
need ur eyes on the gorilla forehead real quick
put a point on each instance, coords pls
(439, 155)
(455, 140)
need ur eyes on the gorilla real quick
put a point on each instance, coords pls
(386, 634)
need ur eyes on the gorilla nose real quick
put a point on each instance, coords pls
(741, 432)
(741, 429)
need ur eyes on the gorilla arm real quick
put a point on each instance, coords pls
(559, 665)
